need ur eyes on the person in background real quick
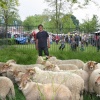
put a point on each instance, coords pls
(62, 41)
(73, 44)
(98, 43)
(42, 41)
(82, 46)
(34, 36)
(57, 39)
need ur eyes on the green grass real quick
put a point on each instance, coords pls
(27, 54)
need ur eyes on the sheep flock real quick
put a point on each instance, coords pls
(50, 79)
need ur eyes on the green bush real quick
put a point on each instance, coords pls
(9, 41)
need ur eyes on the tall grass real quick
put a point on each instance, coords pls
(27, 54)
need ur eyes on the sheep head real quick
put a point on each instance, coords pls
(5, 68)
(30, 71)
(51, 67)
(24, 82)
(92, 65)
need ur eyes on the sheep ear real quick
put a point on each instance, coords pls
(34, 70)
(88, 62)
(10, 70)
(27, 69)
(96, 63)
(5, 66)
(50, 66)
(29, 80)
(53, 66)
(19, 71)
(43, 62)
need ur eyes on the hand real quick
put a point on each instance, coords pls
(48, 45)
(36, 48)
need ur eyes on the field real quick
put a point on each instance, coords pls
(27, 54)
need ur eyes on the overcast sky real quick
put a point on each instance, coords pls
(32, 7)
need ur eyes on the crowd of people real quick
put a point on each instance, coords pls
(75, 40)
(82, 41)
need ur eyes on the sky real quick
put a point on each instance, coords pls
(32, 7)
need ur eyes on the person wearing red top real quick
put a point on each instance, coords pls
(34, 35)
(57, 39)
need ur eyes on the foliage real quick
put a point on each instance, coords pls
(34, 21)
(91, 25)
(9, 10)
(61, 7)
(68, 23)
(9, 41)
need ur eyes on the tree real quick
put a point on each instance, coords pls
(8, 10)
(31, 22)
(68, 23)
(90, 25)
(61, 7)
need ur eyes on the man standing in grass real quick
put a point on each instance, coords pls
(42, 41)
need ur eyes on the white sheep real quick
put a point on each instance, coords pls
(67, 66)
(74, 82)
(90, 66)
(93, 82)
(11, 61)
(6, 88)
(84, 75)
(17, 75)
(77, 62)
(52, 67)
(13, 66)
(54, 60)
(39, 60)
(38, 91)
(1, 65)
(61, 67)
(79, 72)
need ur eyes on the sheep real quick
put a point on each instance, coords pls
(74, 82)
(77, 62)
(52, 67)
(61, 67)
(13, 66)
(67, 66)
(11, 61)
(51, 58)
(83, 74)
(38, 91)
(39, 60)
(93, 82)
(54, 60)
(90, 66)
(6, 88)
(1, 65)
(17, 75)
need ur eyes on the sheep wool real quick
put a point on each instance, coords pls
(74, 82)
(49, 91)
(93, 87)
(6, 88)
